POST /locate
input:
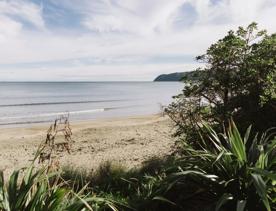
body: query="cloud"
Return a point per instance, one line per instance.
(137, 17)
(24, 11)
(98, 72)
(99, 39)
(8, 28)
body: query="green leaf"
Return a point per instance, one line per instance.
(223, 199)
(247, 134)
(236, 143)
(241, 205)
(160, 198)
(261, 189)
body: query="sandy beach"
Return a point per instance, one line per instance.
(128, 141)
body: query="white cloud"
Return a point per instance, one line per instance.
(138, 17)
(25, 10)
(81, 72)
(8, 28)
(122, 32)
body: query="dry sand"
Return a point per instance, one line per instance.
(127, 141)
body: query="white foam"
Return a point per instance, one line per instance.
(54, 114)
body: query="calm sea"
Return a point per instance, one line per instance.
(24, 103)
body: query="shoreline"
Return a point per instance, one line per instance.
(74, 121)
(128, 141)
(77, 122)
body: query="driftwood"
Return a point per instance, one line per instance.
(50, 149)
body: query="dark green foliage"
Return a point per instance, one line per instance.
(131, 188)
(239, 81)
(228, 171)
(37, 190)
(241, 170)
(107, 178)
(182, 76)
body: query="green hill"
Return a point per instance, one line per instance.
(179, 76)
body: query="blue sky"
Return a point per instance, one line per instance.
(71, 40)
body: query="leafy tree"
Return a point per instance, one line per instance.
(238, 81)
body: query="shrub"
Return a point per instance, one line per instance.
(35, 190)
(228, 172)
(238, 81)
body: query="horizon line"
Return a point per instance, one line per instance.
(72, 81)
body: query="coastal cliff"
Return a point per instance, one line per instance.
(178, 76)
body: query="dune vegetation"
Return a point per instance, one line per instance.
(224, 157)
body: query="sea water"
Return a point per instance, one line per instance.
(24, 103)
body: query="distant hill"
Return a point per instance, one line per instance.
(177, 76)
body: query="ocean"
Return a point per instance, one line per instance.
(23, 103)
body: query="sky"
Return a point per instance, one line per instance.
(116, 40)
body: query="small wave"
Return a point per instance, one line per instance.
(59, 103)
(55, 114)
(23, 123)
(42, 117)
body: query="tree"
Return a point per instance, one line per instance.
(238, 81)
